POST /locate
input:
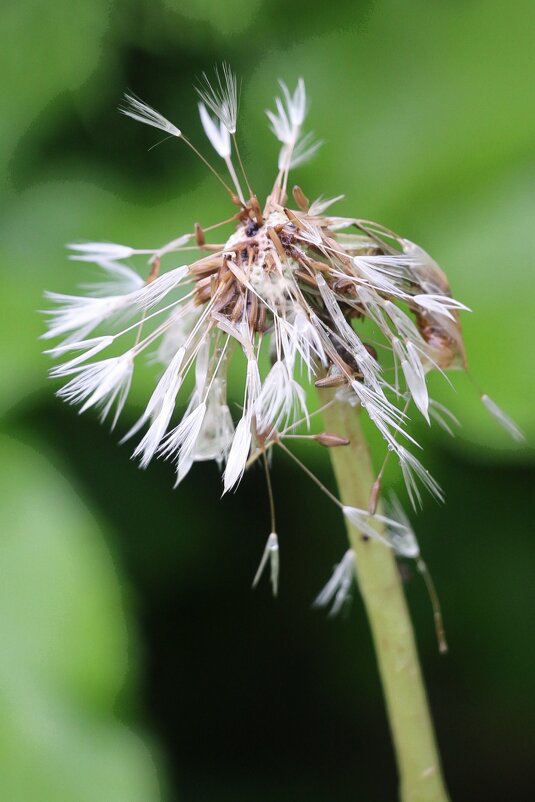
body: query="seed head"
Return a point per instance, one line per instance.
(336, 300)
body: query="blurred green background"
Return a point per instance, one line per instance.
(136, 664)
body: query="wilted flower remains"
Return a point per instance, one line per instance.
(340, 301)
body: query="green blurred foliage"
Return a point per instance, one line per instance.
(65, 647)
(428, 115)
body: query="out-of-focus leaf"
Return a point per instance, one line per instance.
(65, 647)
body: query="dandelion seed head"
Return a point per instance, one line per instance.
(303, 295)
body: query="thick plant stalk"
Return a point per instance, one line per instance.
(380, 585)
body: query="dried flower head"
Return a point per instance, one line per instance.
(339, 299)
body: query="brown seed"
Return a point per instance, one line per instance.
(238, 308)
(336, 380)
(294, 218)
(253, 311)
(274, 237)
(199, 236)
(204, 267)
(270, 263)
(300, 198)
(345, 285)
(225, 298)
(330, 440)
(256, 210)
(202, 295)
(154, 269)
(238, 272)
(322, 267)
(261, 322)
(374, 496)
(306, 277)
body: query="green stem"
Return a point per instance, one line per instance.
(380, 585)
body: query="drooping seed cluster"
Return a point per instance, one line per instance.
(338, 300)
